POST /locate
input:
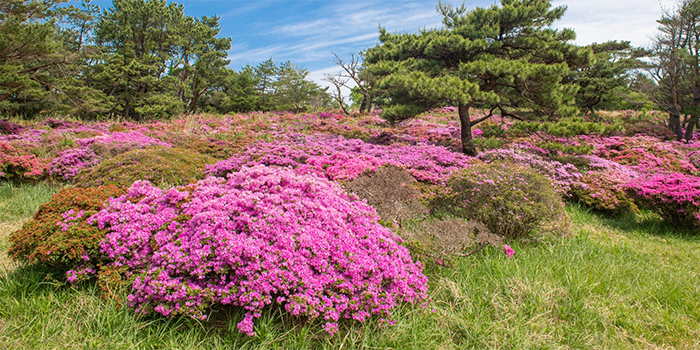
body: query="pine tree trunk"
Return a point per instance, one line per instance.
(468, 147)
(695, 116)
(674, 117)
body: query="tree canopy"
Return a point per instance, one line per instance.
(502, 58)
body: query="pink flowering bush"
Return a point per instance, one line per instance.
(120, 142)
(511, 200)
(675, 197)
(16, 164)
(605, 191)
(564, 177)
(264, 235)
(71, 161)
(338, 158)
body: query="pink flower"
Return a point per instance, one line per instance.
(509, 251)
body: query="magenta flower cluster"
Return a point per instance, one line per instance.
(71, 161)
(338, 158)
(675, 196)
(120, 142)
(264, 235)
(565, 177)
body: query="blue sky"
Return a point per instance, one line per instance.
(307, 32)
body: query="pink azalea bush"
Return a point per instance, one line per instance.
(564, 177)
(264, 235)
(675, 196)
(338, 158)
(71, 161)
(15, 163)
(121, 142)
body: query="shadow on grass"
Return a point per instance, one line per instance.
(644, 222)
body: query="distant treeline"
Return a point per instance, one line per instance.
(133, 60)
(147, 59)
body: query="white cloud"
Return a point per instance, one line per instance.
(603, 20)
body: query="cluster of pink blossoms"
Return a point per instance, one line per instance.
(338, 158)
(263, 235)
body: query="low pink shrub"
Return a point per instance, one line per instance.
(675, 196)
(264, 235)
(18, 165)
(605, 191)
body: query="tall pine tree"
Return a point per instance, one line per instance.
(504, 59)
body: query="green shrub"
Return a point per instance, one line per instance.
(488, 142)
(567, 149)
(491, 130)
(58, 235)
(160, 166)
(605, 192)
(511, 200)
(565, 128)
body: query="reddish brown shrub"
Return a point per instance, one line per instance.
(391, 191)
(58, 235)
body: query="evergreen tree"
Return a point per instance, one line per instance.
(504, 59)
(609, 75)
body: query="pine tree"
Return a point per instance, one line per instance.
(504, 59)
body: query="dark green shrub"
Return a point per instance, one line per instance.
(171, 166)
(491, 130)
(511, 200)
(488, 142)
(567, 149)
(59, 235)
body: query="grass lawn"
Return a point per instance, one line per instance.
(625, 283)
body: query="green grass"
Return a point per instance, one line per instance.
(613, 283)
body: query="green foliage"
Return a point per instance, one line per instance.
(565, 128)
(566, 149)
(160, 166)
(605, 192)
(607, 77)
(286, 88)
(505, 58)
(488, 142)
(511, 200)
(62, 241)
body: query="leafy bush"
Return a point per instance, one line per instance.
(391, 191)
(16, 164)
(488, 142)
(265, 235)
(605, 191)
(566, 128)
(72, 161)
(511, 200)
(564, 177)
(675, 197)
(59, 235)
(158, 165)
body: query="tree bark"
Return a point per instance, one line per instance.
(695, 115)
(468, 147)
(674, 116)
